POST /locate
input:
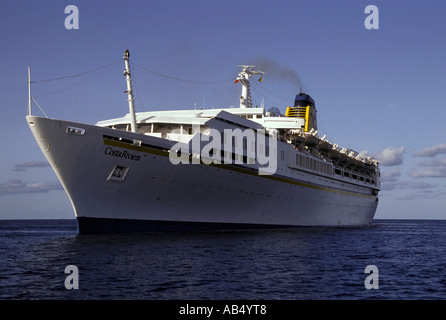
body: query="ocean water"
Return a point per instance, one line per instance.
(409, 259)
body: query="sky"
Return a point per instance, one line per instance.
(379, 91)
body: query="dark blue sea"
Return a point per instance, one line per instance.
(407, 259)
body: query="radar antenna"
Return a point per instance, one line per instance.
(275, 112)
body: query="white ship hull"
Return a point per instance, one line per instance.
(158, 195)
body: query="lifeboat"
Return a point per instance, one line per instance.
(324, 146)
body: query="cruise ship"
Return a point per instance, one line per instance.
(235, 167)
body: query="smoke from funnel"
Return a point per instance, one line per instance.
(275, 71)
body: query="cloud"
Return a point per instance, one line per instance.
(30, 164)
(425, 194)
(389, 179)
(390, 156)
(420, 186)
(437, 162)
(17, 186)
(432, 151)
(434, 172)
(430, 168)
(390, 175)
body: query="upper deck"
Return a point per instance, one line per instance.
(256, 115)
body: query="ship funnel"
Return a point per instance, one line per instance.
(304, 108)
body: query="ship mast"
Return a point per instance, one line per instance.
(243, 77)
(29, 91)
(129, 91)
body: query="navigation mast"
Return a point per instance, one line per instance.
(129, 91)
(29, 91)
(243, 77)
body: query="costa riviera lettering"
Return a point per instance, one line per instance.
(122, 154)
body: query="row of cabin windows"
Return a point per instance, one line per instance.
(262, 148)
(253, 116)
(353, 176)
(313, 164)
(233, 156)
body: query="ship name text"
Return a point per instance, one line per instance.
(122, 154)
